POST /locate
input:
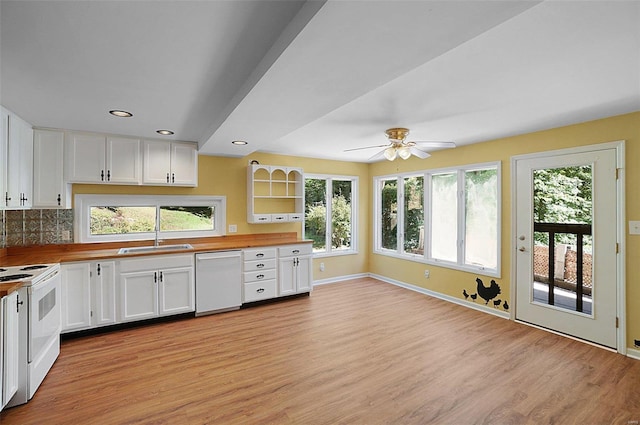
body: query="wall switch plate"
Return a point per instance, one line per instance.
(321, 267)
(634, 227)
(427, 274)
(233, 228)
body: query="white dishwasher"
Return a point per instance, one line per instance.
(218, 282)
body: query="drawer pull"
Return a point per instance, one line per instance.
(259, 255)
(260, 276)
(260, 290)
(260, 265)
(296, 251)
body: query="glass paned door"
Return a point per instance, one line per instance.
(566, 259)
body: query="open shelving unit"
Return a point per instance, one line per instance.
(274, 194)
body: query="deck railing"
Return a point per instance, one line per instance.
(580, 230)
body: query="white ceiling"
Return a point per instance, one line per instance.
(315, 78)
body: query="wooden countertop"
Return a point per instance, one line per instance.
(41, 254)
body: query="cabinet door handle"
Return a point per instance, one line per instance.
(59, 199)
(260, 290)
(7, 198)
(108, 175)
(167, 177)
(259, 266)
(98, 270)
(161, 277)
(18, 304)
(155, 277)
(260, 276)
(173, 177)
(102, 175)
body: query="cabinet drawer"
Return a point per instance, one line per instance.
(258, 265)
(261, 218)
(294, 250)
(296, 217)
(279, 217)
(257, 291)
(259, 254)
(259, 275)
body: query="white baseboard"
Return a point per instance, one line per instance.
(633, 353)
(464, 303)
(339, 279)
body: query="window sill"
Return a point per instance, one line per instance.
(419, 259)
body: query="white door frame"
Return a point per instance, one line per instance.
(620, 230)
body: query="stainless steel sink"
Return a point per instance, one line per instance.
(161, 248)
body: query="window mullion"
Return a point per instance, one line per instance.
(400, 216)
(461, 217)
(328, 196)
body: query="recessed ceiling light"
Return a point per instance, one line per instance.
(239, 142)
(165, 132)
(121, 114)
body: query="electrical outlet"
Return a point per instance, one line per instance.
(233, 228)
(634, 227)
(427, 274)
(66, 235)
(321, 267)
(636, 342)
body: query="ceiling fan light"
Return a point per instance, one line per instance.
(390, 153)
(404, 152)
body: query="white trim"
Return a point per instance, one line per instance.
(619, 146)
(438, 295)
(584, 341)
(84, 202)
(633, 353)
(339, 279)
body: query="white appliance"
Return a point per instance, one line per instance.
(39, 324)
(218, 282)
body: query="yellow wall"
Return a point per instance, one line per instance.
(227, 176)
(452, 282)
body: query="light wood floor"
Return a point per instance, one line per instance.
(358, 352)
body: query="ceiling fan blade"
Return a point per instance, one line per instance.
(366, 147)
(435, 144)
(419, 153)
(377, 156)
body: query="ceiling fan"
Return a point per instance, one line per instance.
(398, 147)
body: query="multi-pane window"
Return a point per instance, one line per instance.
(126, 217)
(330, 213)
(448, 217)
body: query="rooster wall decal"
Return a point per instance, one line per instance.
(487, 294)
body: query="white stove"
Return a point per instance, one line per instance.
(30, 274)
(39, 324)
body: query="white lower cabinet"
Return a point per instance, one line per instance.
(156, 286)
(103, 288)
(9, 345)
(276, 272)
(295, 269)
(75, 302)
(88, 295)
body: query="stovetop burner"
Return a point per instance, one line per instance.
(36, 267)
(9, 277)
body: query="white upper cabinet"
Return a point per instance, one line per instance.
(96, 158)
(169, 163)
(17, 160)
(49, 187)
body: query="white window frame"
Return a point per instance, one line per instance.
(427, 205)
(329, 178)
(84, 203)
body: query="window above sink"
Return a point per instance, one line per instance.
(111, 218)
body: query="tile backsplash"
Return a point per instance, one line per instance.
(36, 227)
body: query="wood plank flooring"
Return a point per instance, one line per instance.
(356, 352)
